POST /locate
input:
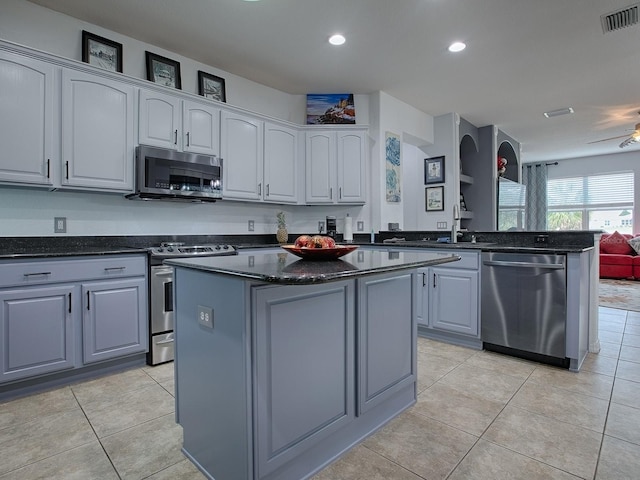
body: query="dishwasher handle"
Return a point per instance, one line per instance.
(548, 266)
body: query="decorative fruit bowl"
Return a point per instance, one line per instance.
(312, 253)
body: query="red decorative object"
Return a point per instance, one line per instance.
(502, 166)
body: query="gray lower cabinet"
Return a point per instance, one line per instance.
(37, 331)
(62, 314)
(114, 319)
(304, 373)
(448, 300)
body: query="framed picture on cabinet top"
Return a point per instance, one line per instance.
(101, 52)
(163, 71)
(434, 199)
(211, 86)
(433, 170)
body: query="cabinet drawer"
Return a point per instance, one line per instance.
(36, 271)
(470, 260)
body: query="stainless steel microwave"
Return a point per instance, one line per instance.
(163, 174)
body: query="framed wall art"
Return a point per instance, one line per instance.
(211, 86)
(329, 108)
(163, 70)
(101, 52)
(434, 199)
(433, 170)
(393, 168)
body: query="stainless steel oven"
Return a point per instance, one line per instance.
(161, 341)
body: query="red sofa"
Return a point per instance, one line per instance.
(618, 259)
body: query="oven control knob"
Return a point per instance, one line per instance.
(169, 249)
(160, 249)
(225, 247)
(217, 247)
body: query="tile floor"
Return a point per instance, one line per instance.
(479, 415)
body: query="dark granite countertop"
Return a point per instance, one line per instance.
(286, 268)
(489, 247)
(43, 251)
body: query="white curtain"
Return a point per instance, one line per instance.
(535, 179)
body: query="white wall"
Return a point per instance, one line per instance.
(619, 162)
(30, 212)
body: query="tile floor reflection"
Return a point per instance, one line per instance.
(479, 415)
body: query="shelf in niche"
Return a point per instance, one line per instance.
(466, 179)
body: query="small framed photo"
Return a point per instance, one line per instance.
(101, 52)
(434, 170)
(212, 87)
(163, 70)
(434, 199)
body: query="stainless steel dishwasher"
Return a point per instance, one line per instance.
(524, 305)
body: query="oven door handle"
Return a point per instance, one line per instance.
(163, 273)
(164, 342)
(548, 266)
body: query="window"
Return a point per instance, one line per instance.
(596, 202)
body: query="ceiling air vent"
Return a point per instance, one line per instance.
(623, 18)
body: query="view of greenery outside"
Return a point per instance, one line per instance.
(606, 220)
(510, 219)
(564, 220)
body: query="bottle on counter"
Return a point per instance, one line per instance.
(373, 236)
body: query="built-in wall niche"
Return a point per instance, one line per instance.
(506, 150)
(468, 168)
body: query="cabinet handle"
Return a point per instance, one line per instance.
(88, 300)
(187, 139)
(424, 280)
(434, 280)
(267, 189)
(48, 168)
(110, 269)
(175, 137)
(331, 193)
(69, 302)
(259, 189)
(66, 164)
(37, 274)
(340, 193)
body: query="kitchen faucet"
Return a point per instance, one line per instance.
(454, 225)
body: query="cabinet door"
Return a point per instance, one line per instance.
(387, 338)
(304, 367)
(159, 120)
(97, 132)
(115, 319)
(37, 331)
(280, 164)
(242, 148)
(453, 300)
(27, 118)
(320, 172)
(351, 167)
(201, 128)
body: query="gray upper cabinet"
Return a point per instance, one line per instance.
(97, 132)
(27, 92)
(282, 164)
(167, 121)
(336, 166)
(242, 151)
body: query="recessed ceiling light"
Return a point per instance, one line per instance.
(337, 39)
(457, 47)
(558, 112)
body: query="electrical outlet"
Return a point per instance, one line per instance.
(320, 227)
(60, 225)
(360, 226)
(442, 225)
(541, 239)
(205, 316)
(251, 225)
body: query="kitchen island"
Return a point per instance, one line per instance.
(284, 364)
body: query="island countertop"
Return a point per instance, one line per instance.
(286, 268)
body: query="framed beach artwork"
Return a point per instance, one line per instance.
(329, 108)
(163, 71)
(393, 167)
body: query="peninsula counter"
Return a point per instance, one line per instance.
(284, 364)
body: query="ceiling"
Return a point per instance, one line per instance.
(523, 57)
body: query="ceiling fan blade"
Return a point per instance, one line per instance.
(629, 141)
(607, 139)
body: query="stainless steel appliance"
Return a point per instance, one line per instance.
(171, 175)
(332, 228)
(524, 305)
(161, 334)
